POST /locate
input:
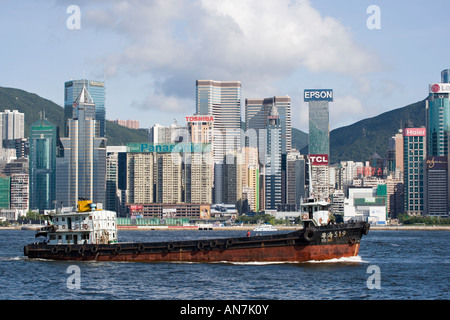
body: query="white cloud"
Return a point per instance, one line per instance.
(257, 42)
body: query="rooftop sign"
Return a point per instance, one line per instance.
(318, 95)
(168, 147)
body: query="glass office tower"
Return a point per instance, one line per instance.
(438, 119)
(42, 165)
(222, 101)
(96, 90)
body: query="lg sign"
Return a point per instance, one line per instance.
(319, 159)
(440, 88)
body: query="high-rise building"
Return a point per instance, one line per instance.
(140, 177)
(256, 113)
(168, 172)
(250, 178)
(5, 192)
(12, 125)
(295, 178)
(436, 186)
(167, 134)
(81, 170)
(414, 152)
(438, 119)
(20, 191)
(198, 174)
(319, 120)
(42, 165)
(112, 177)
(222, 101)
(319, 141)
(97, 91)
(272, 168)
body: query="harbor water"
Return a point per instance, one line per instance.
(391, 265)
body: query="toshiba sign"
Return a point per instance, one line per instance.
(414, 132)
(318, 159)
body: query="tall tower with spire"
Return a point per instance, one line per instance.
(81, 169)
(272, 171)
(96, 90)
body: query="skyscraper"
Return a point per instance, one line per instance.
(319, 141)
(319, 120)
(414, 147)
(272, 172)
(222, 101)
(438, 119)
(256, 113)
(96, 90)
(42, 164)
(81, 171)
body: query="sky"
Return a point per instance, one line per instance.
(150, 53)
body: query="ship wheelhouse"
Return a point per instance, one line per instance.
(88, 225)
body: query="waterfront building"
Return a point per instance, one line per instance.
(198, 177)
(42, 164)
(414, 151)
(140, 177)
(81, 168)
(20, 191)
(250, 178)
(97, 111)
(5, 192)
(168, 176)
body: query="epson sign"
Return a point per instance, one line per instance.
(318, 95)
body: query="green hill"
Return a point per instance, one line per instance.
(31, 105)
(355, 142)
(362, 139)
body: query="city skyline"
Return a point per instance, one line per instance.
(150, 54)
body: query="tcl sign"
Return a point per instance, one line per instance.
(414, 132)
(318, 159)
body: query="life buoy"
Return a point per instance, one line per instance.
(305, 216)
(170, 246)
(141, 247)
(308, 234)
(67, 249)
(85, 226)
(54, 249)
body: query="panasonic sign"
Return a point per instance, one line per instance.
(318, 95)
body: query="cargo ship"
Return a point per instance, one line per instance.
(90, 233)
